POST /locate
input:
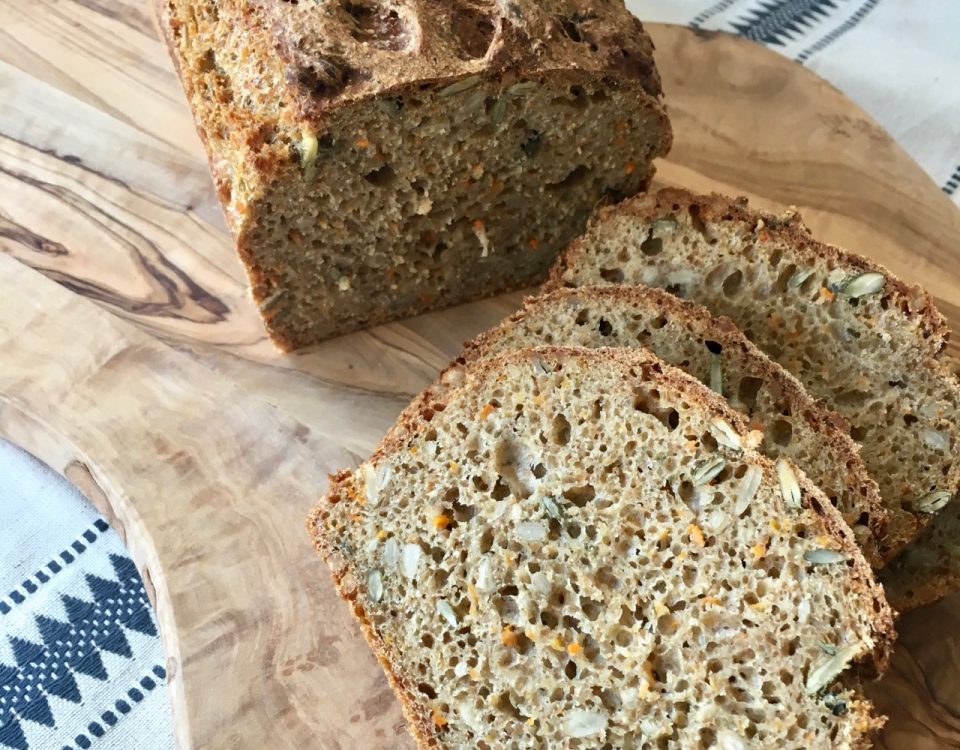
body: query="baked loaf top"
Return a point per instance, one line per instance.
(714, 351)
(335, 51)
(855, 335)
(537, 564)
(262, 76)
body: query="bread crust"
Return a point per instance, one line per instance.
(632, 362)
(787, 227)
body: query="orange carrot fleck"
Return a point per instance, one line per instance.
(361, 142)
(630, 167)
(441, 521)
(438, 718)
(485, 411)
(827, 294)
(574, 648)
(509, 637)
(534, 243)
(696, 535)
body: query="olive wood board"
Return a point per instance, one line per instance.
(132, 361)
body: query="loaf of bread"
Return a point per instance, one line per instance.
(715, 352)
(853, 334)
(581, 550)
(377, 158)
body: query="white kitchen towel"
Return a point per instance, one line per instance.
(899, 60)
(80, 663)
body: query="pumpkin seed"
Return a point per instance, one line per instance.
(824, 556)
(464, 84)
(375, 585)
(522, 88)
(863, 284)
(499, 110)
(828, 648)
(708, 470)
(932, 502)
(789, 486)
(716, 375)
(308, 147)
(830, 669)
(552, 509)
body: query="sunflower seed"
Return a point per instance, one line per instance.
(707, 470)
(933, 501)
(375, 585)
(828, 670)
(936, 440)
(789, 487)
(552, 509)
(716, 375)
(748, 489)
(725, 434)
(446, 612)
(308, 153)
(391, 552)
(411, 560)
(863, 284)
(727, 740)
(541, 366)
(798, 278)
(371, 485)
(272, 300)
(662, 225)
(464, 84)
(824, 556)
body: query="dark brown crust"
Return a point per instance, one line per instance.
(829, 425)
(630, 361)
(788, 228)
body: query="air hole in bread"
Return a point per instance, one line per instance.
(381, 27)
(731, 284)
(382, 177)
(576, 177)
(781, 432)
(473, 27)
(560, 430)
(651, 246)
(612, 275)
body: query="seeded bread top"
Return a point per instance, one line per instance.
(340, 50)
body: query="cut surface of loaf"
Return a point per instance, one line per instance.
(852, 333)
(715, 352)
(376, 159)
(580, 550)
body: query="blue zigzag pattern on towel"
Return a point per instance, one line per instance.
(777, 21)
(72, 647)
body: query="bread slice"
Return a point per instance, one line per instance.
(545, 561)
(714, 351)
(853, 334)
(378, 159)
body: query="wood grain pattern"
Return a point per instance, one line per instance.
(134, 363)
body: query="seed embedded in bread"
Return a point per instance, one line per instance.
(638, 615)
(857, 337)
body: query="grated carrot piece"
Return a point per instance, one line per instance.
(441, 521)
(827, 294)
(574, 648)
(696, 535)
(361, 142)
(509, 637)
(630, 167)
(533, 242)
(485, 411)
(438, 718)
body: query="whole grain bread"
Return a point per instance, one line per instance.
(550, 560)
(857, 337)
(378, 158)
(714, 351)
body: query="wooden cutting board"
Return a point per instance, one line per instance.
(132, 361)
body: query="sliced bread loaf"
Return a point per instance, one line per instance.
(552, 559)
(852, 333)
(377, 159)
(714, 351)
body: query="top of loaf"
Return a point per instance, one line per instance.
(335, 51)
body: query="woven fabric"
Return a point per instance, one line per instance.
(81, 665)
